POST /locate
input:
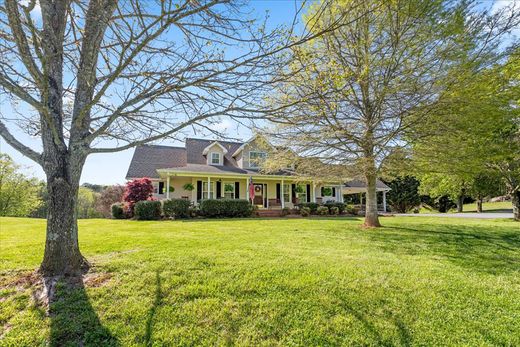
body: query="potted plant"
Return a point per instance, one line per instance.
(188, 187)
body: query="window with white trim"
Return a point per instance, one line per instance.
(205, 190)
(229, 190)
(256, 158)
(216, 158)
(286, 193)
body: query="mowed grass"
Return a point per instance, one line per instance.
(489, 207)
(272, 282)
(499, 206)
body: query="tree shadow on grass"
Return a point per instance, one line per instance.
(479, 248)
(148, 340)
(74, 322)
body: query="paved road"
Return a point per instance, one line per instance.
(459, 215)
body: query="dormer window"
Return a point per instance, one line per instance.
(216, 158)
(256, 158)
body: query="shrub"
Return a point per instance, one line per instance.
(178, 208)
(147, 210)
(225, 208)
(323, 210)
(109, 196)
(404, 195)
(138, 190)
(305, 211)
(341, 206)
(118, 211)
(334, 210)
(311, 205)
(285, 211)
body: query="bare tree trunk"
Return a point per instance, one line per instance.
(515, 199)
(460, 203)
(62, 256)
(479, 204)
(371, 216)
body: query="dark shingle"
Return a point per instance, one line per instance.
(361, 184)
(148, 158)
(195, 147)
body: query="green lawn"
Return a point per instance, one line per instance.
(504, 206)
(501, 206)
(287, 282)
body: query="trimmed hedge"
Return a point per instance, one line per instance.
(215, 208)
(313, 206)
(341, 206)
(305, 211)
(118, 211)
(178, 208)
(322, 210)
(334, 210)
(147, 210)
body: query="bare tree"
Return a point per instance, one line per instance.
(104, 75)
(358, 85)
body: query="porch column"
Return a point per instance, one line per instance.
(167, 186)
(281, 194)
(209, 189)
(384, 200)
(313, 192)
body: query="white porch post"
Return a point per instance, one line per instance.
(313, 192)
(340, 198)
(209, 189)
(167, 186)
(266, 196)
(282, 194)
(384, 200)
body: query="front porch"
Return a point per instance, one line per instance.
(270, 192)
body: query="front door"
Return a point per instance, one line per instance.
(259, 199)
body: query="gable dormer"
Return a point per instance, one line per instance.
(215, 153)
(253, 152)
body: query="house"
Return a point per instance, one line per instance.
(209, 169)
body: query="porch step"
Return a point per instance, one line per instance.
(269, 213)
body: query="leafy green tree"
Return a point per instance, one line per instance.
(352, 91)
(86, 205)
(475, 133)
(438, 186)
(404, 194)
(484, 185)
(18, 193)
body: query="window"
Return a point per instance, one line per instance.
(205, 190)
(229, 190)
(216, 158)
(301, 192)
(256, 158)
(287, 193)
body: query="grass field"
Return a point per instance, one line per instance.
(488, 207)
(287, 282)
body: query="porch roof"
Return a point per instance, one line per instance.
(201, 169)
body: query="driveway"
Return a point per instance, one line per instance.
(488, 215)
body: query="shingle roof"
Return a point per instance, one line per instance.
(361, 184)
(195, 147)
(148, 158)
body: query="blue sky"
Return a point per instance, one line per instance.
(111, 168)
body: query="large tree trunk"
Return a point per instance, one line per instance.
(516, 204)
(371, 215)
(62, 256)
(479, 205)
(460, 203)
